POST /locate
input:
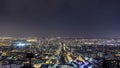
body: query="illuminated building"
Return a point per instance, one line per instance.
(20, 43)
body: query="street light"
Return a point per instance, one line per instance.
(29, 56)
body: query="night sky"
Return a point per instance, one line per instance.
(64, 18)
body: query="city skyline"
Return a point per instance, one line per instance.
(64, 18)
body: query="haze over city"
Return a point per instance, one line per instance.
(66, 18)
(59, 34)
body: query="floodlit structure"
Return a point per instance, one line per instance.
(20, 43)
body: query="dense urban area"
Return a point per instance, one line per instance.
(59, 52)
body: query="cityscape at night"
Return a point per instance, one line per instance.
(59, 34)
(59, 52)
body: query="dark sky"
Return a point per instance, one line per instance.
(65, 18)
